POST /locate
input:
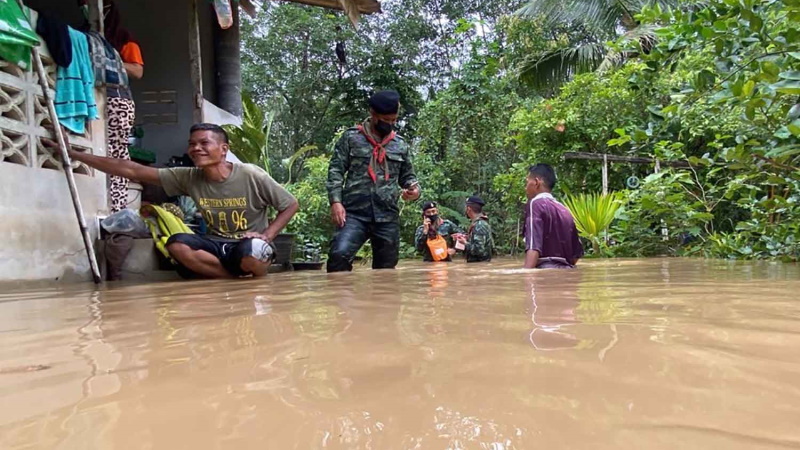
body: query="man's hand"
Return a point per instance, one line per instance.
(338, 214)
(412, 193)
(49, 143)
(451, 251)
(426, 225)
(460, 237)
(254, 235)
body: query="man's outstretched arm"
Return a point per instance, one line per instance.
(119, 167)
(113, 166)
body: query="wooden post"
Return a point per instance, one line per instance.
(195, 63)
(605, 174)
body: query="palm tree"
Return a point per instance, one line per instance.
(601, 19)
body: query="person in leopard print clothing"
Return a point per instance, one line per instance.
(120, 109)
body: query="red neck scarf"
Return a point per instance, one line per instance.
(378, 153)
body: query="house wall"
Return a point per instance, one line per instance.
(163, 97)
(41, 238)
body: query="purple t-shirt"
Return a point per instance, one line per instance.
(550, 229)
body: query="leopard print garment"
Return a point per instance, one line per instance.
(121, 114)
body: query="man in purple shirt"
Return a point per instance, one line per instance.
(551, 239)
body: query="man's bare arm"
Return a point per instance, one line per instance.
(531, 259)
(112, 166)
(119, 167)
(280, 222)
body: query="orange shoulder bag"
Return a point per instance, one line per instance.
(438, 248)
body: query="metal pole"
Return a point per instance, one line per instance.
(605, 174)
(73, 190)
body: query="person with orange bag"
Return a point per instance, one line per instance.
(435, 237)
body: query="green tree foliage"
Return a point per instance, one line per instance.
(601, 20)
(582, 118)
(714, 86)
(312, 222)
(745, 176)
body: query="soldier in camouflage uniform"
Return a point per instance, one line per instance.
(478, 243)
(431, 226)
(369, 167)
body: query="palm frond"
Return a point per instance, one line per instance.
(612, 59)
(558, 66)
(250, 140)
(597, 14)
(643, 37)
(593, 214)
(289, 162)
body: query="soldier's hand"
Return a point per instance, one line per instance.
(426, 225)
(338, 214)
(411, 193)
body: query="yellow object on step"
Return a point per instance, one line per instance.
(162, 224)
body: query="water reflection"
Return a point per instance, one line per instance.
(553, 311)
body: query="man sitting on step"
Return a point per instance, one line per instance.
(233, 198)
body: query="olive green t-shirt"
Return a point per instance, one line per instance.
(231, 207)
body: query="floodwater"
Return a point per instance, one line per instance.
(619, 354)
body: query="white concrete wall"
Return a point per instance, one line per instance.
(41, 237)
(39, 229)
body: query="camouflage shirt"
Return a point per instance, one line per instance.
(446, 230)
(350, 184)
(479, 240)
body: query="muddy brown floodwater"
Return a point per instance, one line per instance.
(619, 354)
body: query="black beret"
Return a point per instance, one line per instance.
(476, 200)
(428, 205)
(385, 102)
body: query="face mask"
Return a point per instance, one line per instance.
(383, 128)
(434, 219)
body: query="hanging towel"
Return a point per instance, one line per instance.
(108, 68)
(56, 35)
(74, 101)
(17, 37)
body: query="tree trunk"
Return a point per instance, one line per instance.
(228, 66)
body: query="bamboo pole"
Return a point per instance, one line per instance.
(67, 163)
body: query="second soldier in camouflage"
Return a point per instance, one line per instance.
(478, 243)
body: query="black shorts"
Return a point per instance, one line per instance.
(229, 252)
